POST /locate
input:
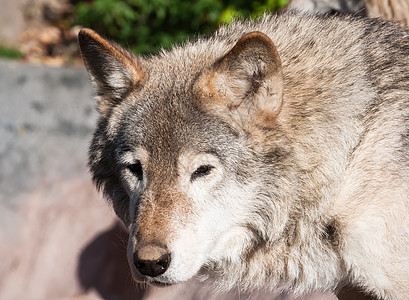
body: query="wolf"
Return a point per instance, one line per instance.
(273, 154)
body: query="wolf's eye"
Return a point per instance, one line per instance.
(201, 171)
(136, 170)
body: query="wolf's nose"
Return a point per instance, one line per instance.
(151, 260)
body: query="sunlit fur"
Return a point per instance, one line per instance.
(304, 121)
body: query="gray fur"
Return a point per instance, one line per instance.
(328, 174)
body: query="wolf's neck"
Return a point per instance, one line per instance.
(305, 261)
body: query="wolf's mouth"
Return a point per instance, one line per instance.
(157, 282)
(160, 284)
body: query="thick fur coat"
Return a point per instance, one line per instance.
(273, 154)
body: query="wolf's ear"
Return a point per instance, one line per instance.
(247, 80)
(113, 70)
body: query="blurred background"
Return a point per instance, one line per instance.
(58, 238)
(45, 30)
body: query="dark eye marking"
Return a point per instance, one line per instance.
(201, 171)
(136, 169)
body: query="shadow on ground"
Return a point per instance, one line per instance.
(107, 271)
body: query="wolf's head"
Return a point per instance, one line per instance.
(189, 150)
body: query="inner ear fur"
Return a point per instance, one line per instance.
(247, 80)
(113, 70)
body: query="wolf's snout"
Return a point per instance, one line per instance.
(151, 260)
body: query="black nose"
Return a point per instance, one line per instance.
(151, 260)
